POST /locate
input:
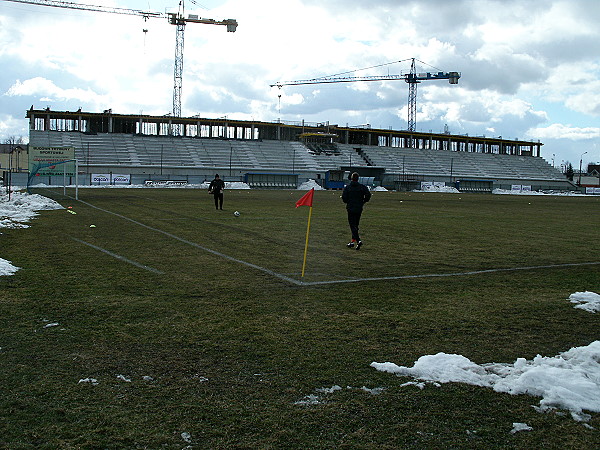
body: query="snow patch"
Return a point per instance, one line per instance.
(330, 390)
(570, 380)
(520, 427)
(313, 399)
(588, 301)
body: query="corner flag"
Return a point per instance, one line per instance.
(306, 200)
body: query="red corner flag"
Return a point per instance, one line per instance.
(307, 199)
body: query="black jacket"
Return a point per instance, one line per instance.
(355, 195)
(216, 186)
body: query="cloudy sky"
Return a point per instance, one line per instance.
(530, 68)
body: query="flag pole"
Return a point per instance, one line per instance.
(306, 244)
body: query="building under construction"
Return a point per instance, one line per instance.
(194, 148)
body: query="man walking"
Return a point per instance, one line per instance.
(216, 188)
(355, 195)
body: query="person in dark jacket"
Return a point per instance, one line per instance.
(355, 195)
(216, 188)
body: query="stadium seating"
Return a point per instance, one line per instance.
(141, 151)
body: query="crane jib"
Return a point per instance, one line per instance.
(177, 19)
(413, 78)
(97, 8)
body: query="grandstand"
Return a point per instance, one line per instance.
(145, 148)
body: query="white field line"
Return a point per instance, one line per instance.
(193, 244)
(119, 257)
(352, 280)
(451, 274)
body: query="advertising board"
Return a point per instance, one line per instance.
(51, 161)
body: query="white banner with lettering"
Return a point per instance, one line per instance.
(110, 178)
(521, 188)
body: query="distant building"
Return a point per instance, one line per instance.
(589, 180)
(14, 157)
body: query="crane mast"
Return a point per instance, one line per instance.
(178, 19)
(412, 78)
(412, 97)
(179, 22)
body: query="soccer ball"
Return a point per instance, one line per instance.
(236, 214)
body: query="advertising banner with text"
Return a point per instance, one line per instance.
(50, 160)
(110, 178)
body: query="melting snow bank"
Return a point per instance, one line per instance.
(22, 208)
(6, 268)
(569, 381)
(14, 213)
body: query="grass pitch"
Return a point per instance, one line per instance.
(200, 331)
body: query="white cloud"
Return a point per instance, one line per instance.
(12, 126)
(560, 131)
(586, 102)
(41, 86)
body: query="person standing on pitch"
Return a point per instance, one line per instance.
(355, 195)
(216, 188)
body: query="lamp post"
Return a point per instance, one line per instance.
(580, 161)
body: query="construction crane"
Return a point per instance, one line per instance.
(178, 19)
(412, 78)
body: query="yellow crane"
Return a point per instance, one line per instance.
(178, 19)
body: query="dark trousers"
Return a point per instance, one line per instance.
(353, 221)
(218, 200)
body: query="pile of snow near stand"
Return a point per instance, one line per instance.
(438, 188)
(310, 184)
(549, 192)
(228, 185)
